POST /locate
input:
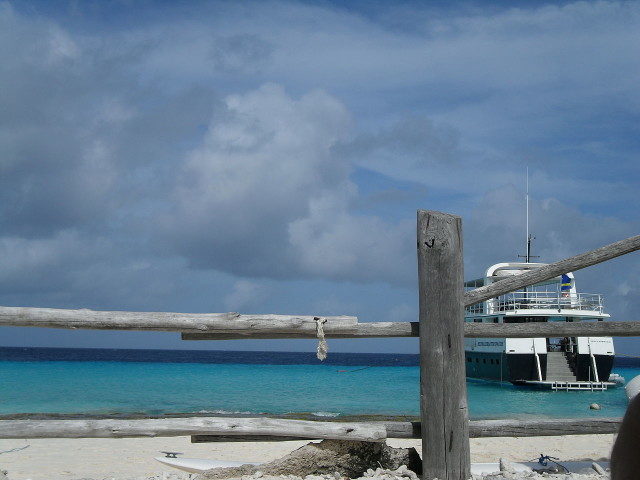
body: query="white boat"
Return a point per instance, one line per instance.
(568, 363)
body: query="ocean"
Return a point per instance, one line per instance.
(95, 382)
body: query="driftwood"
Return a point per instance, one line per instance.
(170, 322)
(222, 326)
(349, 459)
(256, 429)
(471, 330)
(552, 329)
(175, 427)
(543, 427)
(477, 429)
(359, 330)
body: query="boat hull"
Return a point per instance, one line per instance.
(504, 367)
(516, 367)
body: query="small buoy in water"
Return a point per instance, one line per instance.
(594, 406)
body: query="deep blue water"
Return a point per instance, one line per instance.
(101, 381)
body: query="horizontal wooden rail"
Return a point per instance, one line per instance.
(245, 429)
(471, 330)
(360, 330)
(171, 322)
(177, 427)
(477, 429)
(542, 428)
(552, 329)
(510, 284)
(233, 326)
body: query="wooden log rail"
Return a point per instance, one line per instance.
(477, 429)
(211, 429)
(233, 326)
(177, 427)
(231, 323)
(471, 330)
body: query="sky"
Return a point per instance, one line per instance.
(269, 157)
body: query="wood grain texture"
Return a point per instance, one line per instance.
(443, 393)
(471, 330)
(543, 427)
(230, 326)
(517, 428)
(552, 329)
(510, 284)
(176, 427)
(501, 428)
(208, 429)
(170, 322)
(360, 330)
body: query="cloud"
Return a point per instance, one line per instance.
(265, 194)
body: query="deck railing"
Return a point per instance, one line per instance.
(444, 428)
(549, 301)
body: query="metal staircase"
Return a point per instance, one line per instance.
(558, 368)
(561, 377)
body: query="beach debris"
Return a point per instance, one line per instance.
(348, 458)
(595, 406)
(3, 475)
(598, 468)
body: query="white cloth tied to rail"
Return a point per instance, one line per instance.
(323, 348)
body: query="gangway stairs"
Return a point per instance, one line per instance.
(558, 368)
(560, 376)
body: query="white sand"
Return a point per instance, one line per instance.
(50, 459)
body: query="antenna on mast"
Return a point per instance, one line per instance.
(529, 237)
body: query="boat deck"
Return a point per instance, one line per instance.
(562, 385)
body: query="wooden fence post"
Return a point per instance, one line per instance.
(443, 393)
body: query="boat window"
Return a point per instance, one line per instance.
(477, 320)
(523, 319)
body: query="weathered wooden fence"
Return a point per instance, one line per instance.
(444, 428)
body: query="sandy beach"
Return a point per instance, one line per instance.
(47, 459)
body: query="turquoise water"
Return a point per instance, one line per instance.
(98, 387)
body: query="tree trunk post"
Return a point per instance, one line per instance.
(443, 393)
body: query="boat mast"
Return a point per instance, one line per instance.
(529, 237)
(528, 257)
